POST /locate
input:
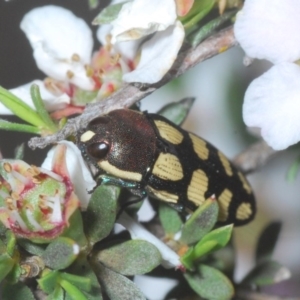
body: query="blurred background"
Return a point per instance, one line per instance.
(218, 85)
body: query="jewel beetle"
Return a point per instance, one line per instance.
(148, 153)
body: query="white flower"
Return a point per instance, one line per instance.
(272, 103)
(62, 44)
(269, 29)
(137, 20)
(80, 175)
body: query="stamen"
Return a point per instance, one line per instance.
(20, 177)
(75, 57)
(56, 213)
(16, 218)
(7, 167)
(32, 221)
(51, 174)
(70, 74)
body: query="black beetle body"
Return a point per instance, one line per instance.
(168, 162)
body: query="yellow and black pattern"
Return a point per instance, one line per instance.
(206, 173)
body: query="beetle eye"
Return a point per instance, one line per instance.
(98, 150)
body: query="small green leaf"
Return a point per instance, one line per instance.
(199, 10)
(200, 223)
(6, 125)
(31, 247)
(60, 253)
(100, 216)
(84, 284)
(108, 14)
(169, 218)
(73, 292)
(267, 242)
(40, 107)
(20, 108)
(81, 267)
(205, 31)
(6, 265)
(11, 242)
(117, 286)
(266, 273)
(214, 240)
(57, 294)
(177, 112)
(131, 258)
(19, 152)
(210, 283)
(93, 3)
(17, 291)
(49, 281)
(75, 229)
(293, 170)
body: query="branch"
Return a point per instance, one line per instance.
(254, 157)
(132, 93)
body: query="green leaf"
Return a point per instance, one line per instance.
(267, 242)
(210, 283)
(10, 126)
(75, 229)
(169, 218)
(93, 3)
(20, 108)
(73, 292)
(200, 223)
(40, 107)
(82, 268)
(131, 258)
(6, 265)
(108, 14)
(17, 291)
(117, 286)
(177, 112)
(31, 247)
(205, 31)
(60, 253)
(212, 241)
(19, 152)
(57, 294)
(100, 216)
(293, 170)
(49, 281)
(81, 282)
(199, 10)
(266, 273)
(11, 242)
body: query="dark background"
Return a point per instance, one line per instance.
(17, 65)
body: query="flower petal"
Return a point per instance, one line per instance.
(269, 29)
(272, 103)
(79, 173)
(158, 55)
(142, 17)
(51, 102)
(62, 43)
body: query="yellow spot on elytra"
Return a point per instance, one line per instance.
(87, 136)
(106, 166)
(224, 200)
(163, 195)
(168, 167)
(199, 147)
(244, 211)
(197, 187)
(226, 163)
(168, 132)
(245, 183)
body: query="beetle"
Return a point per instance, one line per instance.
(147, 153)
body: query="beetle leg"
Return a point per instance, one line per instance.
(106, 179)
